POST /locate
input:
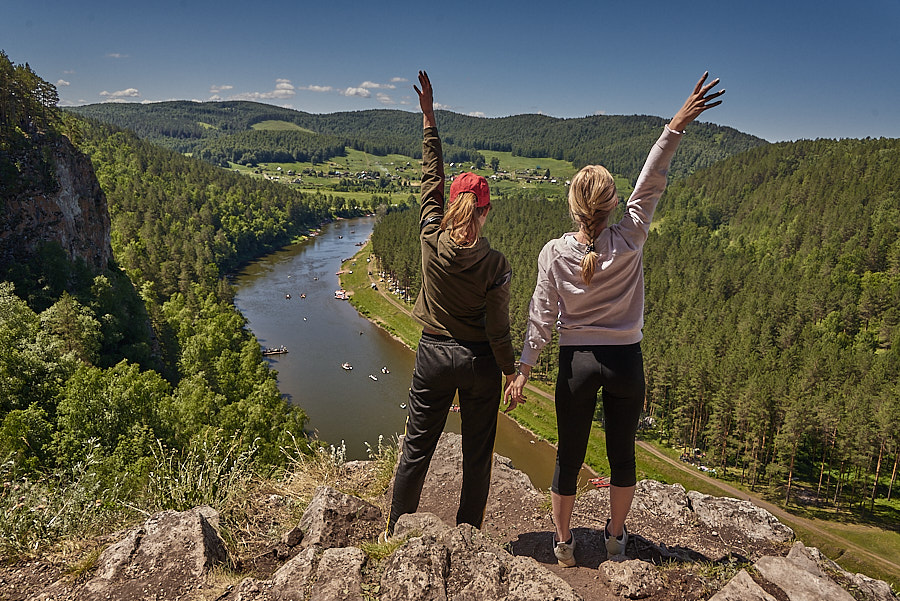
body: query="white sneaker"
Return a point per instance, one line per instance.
(565, 552)
(615, 545)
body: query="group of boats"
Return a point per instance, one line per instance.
(348, 367)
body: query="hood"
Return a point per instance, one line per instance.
(454, 258)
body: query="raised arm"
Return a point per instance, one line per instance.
(699, 101)
(426, 100)
(431, 208)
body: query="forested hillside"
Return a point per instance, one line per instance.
(137, 387)
(773, 289)
(178, 221)
(772, 311)
(617, 141)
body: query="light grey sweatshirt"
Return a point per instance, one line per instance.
(609, 310)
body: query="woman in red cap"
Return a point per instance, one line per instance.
(464, 311)
(590, 286)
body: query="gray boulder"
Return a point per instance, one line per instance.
(633, 578)
(334, 519)
(167, 555)
(742, 588)
(339, 575)
(755, 522)
(461, 563)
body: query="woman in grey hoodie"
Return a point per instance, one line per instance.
(591, 285)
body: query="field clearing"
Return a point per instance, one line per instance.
(562, 170)
(272, 125)
(409, 170)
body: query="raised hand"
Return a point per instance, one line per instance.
(426, 100)
(699, 101)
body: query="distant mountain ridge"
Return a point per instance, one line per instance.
(617, 141)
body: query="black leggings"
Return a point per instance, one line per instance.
(583, 371)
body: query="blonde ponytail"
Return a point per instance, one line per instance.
(461, 219)
(592, 198)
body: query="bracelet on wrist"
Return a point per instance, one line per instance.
(519, 372)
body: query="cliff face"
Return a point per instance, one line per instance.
(70, 210)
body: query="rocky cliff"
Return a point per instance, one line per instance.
(684, 546)
(66, 207)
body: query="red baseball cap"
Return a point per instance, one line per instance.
(474, 183)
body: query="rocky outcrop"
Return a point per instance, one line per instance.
(334, 519)
(166, 557)
(462, 563)
(73, 213)
(332, 554)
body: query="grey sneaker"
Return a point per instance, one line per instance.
(615, 545)
(565, 552)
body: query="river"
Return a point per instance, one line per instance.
(359, 405)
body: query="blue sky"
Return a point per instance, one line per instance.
(792, 69)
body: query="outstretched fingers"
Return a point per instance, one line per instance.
(702, 98)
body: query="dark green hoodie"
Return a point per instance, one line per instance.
(465, 290)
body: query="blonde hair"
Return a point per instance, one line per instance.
(592, 198)
(461, 219)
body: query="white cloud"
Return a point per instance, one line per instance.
(599, 112)
(69, 72)
(284, 85)
(317, 88)
(116, 55)
(371, 85)
(283, 89)
(62, 82)
(217, 89)
(361, 92)
(443, 107)
(399, 80)
(120, 95)
(214, 98)
(477, 114)
(384, 98)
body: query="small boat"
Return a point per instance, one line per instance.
(340, 237)
(385, 370)
(340, 294)
(303, 295)
(346, 366)
(454, 408)
(280, 350)
(287, 296)
(403, 405)
(601, 482)
(373, 377)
